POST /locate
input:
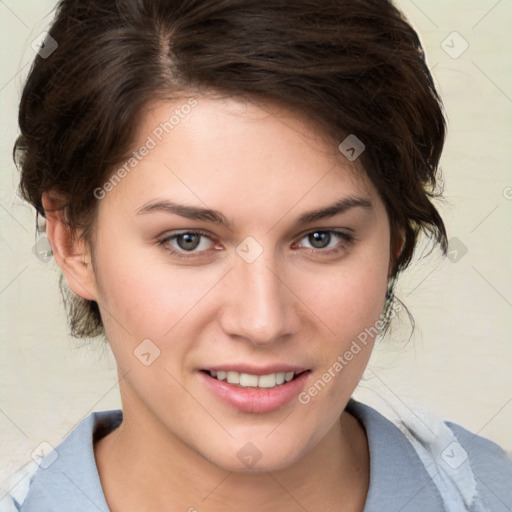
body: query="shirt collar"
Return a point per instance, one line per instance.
(72, 481)
(398, 480)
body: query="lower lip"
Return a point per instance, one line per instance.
(255, 400)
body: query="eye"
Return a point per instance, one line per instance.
(327, 240)
(190, 244)
(184, 242)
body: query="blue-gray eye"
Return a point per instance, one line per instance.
(324, 239)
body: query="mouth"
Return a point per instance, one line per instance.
(255, 390)
(248, 380)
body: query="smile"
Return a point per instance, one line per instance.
(247, 380)
(255, 390)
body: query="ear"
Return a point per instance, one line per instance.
(397, 244)
(71, 253)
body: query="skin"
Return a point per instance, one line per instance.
(262, 167)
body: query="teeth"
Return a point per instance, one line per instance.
(267, 381)
(247, 380)
(233, 377)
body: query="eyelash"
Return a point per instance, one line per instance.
(347, 238)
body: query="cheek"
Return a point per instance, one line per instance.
(350, 315)
(349, 298)
(153, 304)
(348, 302)
(143, 297)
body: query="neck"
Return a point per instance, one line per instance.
(143, 467)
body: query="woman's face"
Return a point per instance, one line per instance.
(209, 258)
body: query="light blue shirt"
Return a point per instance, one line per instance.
(400, 479)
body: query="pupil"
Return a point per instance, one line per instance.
(319, 239)
(188, 241)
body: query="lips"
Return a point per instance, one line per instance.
(255, 389)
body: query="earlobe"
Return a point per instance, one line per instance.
(70, 252)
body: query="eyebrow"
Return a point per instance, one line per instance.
(209, 215)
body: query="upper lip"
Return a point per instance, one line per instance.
(257, 370)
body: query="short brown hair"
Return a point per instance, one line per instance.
(350, 66)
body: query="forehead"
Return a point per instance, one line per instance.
(237, 153)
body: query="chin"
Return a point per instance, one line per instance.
(253, 457)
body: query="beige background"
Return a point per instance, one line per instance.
(458, 362)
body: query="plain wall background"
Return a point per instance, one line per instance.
(458, 362)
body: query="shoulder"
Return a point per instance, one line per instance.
(14, 490)
(66, 478)
(459, 469)
(490, 463)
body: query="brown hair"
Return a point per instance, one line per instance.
(350, 66)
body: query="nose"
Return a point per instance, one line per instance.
(259, 305)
